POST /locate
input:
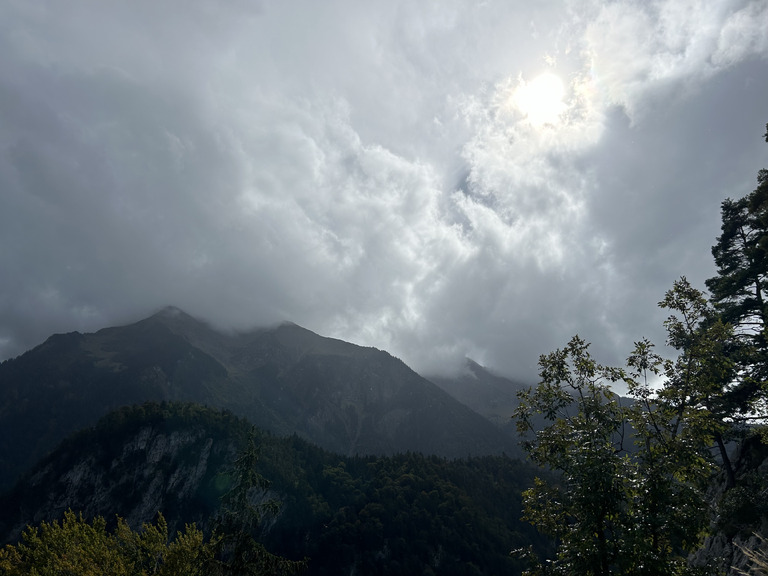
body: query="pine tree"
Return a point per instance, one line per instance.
(238, 524)
(739, 292)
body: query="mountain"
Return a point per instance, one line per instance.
(286, 379)
(404, 514)
(488, 394)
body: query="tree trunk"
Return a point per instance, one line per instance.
(730, 477)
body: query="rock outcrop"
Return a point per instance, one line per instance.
(743, 512)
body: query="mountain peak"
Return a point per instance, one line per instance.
(177, 320)
(170, 312)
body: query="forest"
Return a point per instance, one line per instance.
(405, 514)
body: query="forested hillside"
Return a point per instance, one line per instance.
(395, 515)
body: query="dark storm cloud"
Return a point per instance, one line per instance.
(370, 170)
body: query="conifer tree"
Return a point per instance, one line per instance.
(739, 292)
(237, 526)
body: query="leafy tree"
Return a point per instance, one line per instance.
(697, 391)
(151, 553)
(72, 548)
(616, 510)
(668, 510)
(586, 511)
(76, 547)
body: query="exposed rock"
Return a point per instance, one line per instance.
(154, 467)
(744, 512)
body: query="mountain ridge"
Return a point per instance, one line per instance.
(286, 379)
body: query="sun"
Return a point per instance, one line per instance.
(541, 99)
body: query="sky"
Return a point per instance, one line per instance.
(437, 178)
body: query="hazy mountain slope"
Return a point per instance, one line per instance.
(346, 398)
(286, 379)
(396, 515)
(357, 400)
(492, 396)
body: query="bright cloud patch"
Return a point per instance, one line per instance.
(541, 99)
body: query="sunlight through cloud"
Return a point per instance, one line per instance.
(541, 99)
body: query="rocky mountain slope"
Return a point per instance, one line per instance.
(286, 379)
(743, 512)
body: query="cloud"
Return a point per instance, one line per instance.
(363, 170)
(634, 50)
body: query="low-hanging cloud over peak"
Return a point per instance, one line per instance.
(385, 173)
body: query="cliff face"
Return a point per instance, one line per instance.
(743, 512)
(136, 473)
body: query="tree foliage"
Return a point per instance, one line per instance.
(628, 500)
(739, 292)
(617, 510)
(77, 547)
(586, 510)
(239, 521)
(631, 499)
